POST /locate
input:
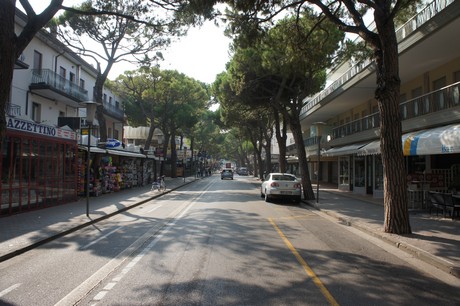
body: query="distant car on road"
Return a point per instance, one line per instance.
(226, 174)
(243, 171)
(282, 186)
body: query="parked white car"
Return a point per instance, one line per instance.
(281, 185)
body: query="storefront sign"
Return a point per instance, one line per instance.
(41, 129)
(113, 143)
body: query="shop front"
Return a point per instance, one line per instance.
(111, 170)
(38, 168)
(432, 160)
(351, 169)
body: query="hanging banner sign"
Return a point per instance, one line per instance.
(41, 129)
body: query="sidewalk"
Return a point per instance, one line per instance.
(22, 232)
(435, 240)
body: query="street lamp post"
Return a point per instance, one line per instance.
(317, 174)
(90, 113)
(184, 162)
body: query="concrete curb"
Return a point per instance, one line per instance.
(85, 224)
(418, 253)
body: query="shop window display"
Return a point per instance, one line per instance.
(36, 172)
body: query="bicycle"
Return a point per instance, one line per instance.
(159, 184)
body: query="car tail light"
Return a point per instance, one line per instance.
(297, 186)
(274, 184)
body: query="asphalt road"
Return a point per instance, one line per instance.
(216, 242)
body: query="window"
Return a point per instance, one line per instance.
(36, 112)
(419, 106)
(110, 101)
(105, 97)
(62, 74)
(360, 172)
(82, 83)
(344, 170)
(37, 60)
(439, 100)
(356, 123)
(72, 77)
(456, 89)
(403, 106)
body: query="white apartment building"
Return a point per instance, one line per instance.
(43, 157)
(430, 108)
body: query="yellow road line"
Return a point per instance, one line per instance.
(305, 266)
(303, 216)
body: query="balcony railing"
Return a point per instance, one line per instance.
(442, 99)
(113, 111)
(438, 100)
(53, 80)
(13, 110)
(408, 28)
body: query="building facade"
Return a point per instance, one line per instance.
(342, 121)
(46, 146)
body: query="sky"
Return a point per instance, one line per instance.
(202, 54)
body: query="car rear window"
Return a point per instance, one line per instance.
(283, 178)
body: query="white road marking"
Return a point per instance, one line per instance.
(8, 290)
(136, 259)
(100, 238)
(94, 280)
(110, 233)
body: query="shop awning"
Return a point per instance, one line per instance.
(93, 149)
(125, 153)
(152, 156)
(440, 140)
(345, 150)
(372, 148)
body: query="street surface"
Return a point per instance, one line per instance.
(216, 242)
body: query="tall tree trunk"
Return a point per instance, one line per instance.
(296, 130)
(98, 94)
(7, 59)
(173, 154)
(148, 141)
(387, 95)
(280, 132)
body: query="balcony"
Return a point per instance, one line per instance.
(13, 110)
(113, 111)
(418, 39)
(48, 84)
(437, 104)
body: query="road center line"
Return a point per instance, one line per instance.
(305, 266)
